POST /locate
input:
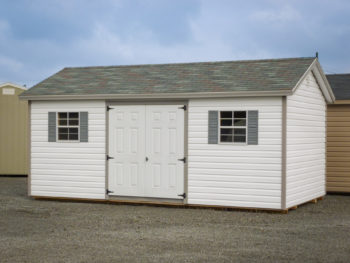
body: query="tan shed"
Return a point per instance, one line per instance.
(13, 131)
(338, 135)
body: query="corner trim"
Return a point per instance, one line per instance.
(284, 155)
(29, 150)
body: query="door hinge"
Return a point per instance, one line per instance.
(183, 195)
(109, 108)
(182, 160)
(184, 107)
(109, 157)
(108, 191)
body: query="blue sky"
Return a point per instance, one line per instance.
(38, 38)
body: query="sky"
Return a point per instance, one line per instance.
(40, 37)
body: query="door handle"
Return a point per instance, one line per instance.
(146, 159)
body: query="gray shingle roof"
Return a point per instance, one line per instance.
(340, 84)
(228, 76)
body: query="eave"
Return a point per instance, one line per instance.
(342, 102)
(194, 95)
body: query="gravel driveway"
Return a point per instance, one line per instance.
(50, 231)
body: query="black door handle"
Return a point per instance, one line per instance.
(146, 159)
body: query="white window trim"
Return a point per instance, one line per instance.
(58, 126)
(232, 127)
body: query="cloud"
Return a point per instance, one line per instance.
(11, 64)
(37, 38)
(286, 14)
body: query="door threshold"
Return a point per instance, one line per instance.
(153, 200)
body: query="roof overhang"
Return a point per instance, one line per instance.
(314, 67)
(321, 79)
(342, 102)
(194, 95)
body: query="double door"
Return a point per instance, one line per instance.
(146, 143)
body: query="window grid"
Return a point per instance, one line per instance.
(233, 127)
(68, 126)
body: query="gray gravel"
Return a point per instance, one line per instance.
(50, 231)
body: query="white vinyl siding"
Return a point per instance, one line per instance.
(68, 169)
(306, 138)
(232, 174)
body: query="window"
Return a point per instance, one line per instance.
(233, 126)
(68, 126)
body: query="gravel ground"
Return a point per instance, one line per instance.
(50, 231)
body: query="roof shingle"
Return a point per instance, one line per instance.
(227, 76)
(340, 84)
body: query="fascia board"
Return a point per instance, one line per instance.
(194, 95)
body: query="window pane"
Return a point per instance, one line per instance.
(226, 138)
(239, 131)
(73, 136)
(62, 122)
(62, 115)
(240, 114)
(62, 130)
(226, 114)
(73, 130)
(63, 136)
(239, 122)
(239, 138)
(73, 115)
(74, 122)
(226, 122)
(226, 131)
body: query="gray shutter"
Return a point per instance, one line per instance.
(213, 127)
(84, 131)
(52, 127)
(253, 120)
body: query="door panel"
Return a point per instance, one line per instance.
(146, 142)
(164, 146)
(127, 147)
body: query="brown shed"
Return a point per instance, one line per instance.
(13, 130)
(338, 135)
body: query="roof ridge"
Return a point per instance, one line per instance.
(191, 63)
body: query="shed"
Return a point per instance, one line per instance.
(338, 135)
(13, 130)
(248, 134)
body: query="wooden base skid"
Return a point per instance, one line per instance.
(314, 201)
(174, 205)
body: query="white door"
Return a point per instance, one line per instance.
(147, 144)
(164, 149)
(127, 147)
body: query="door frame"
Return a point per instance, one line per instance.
(111, 103)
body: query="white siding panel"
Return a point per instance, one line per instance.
(306, 138)
(235, 175)
(68, 169)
